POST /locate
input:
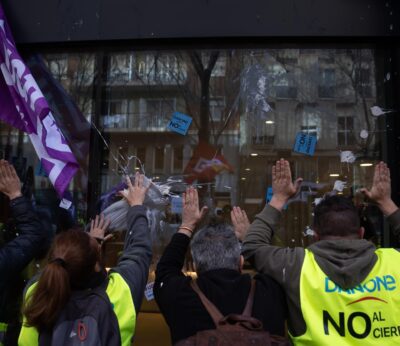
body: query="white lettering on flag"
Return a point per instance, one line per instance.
(25, 107)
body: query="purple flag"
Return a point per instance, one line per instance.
(22, 105)
(76, 129)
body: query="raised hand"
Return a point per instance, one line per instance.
(380, 192)
(10, 184)
(135, 193)
(240, 222)
(98, 228)
(191, 213)
(282, 185)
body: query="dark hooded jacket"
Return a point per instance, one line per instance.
(15, 256)
(346, 262)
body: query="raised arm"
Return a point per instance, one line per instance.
(380, 193)
(134, 262)
(172, 260)
(257, 248)
(169, 269)
(16, 254)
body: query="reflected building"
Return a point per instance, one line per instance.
(247, 105)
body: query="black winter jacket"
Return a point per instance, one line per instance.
(15, 255)
(227, 289)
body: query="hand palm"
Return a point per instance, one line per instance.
(282, 183)
(379, 190)
(191, 213)
(381, 184)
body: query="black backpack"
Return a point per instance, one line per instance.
(233, 329)
(88, 319)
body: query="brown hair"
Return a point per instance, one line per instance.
(72, 258)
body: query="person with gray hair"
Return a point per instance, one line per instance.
(216, 253)
(216, 247)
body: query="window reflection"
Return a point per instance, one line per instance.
(247, 107)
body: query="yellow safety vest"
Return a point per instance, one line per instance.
(3, 330)
(121, 299)
(368, 314)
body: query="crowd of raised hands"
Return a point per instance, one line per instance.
(134, 194)
(283, 186)
(192, 215)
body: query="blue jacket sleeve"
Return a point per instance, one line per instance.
(134, 263)
(16, 254)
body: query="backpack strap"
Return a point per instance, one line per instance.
(210, 307)
(250, 300)
(213, 310)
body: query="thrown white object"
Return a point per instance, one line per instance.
(117, 213)
(347, 156)
(378, 111)
(155, 201)
(364, 134)
(339, 185)
(309, 232)
(65, 204)
(318, 200)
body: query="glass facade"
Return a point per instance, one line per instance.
(247, 109)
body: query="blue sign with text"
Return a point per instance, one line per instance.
(180, 123)
(305, 143)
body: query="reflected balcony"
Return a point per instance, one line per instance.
(135, 122)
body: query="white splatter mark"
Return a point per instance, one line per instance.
(309, 232)
(391, 27)
(318, 200)
(378, 111)
(364, 134)
(65, 204)
(347, 156)
(339, 185)
(388, 76)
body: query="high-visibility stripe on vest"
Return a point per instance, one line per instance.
(368, 314)
(121, 299)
